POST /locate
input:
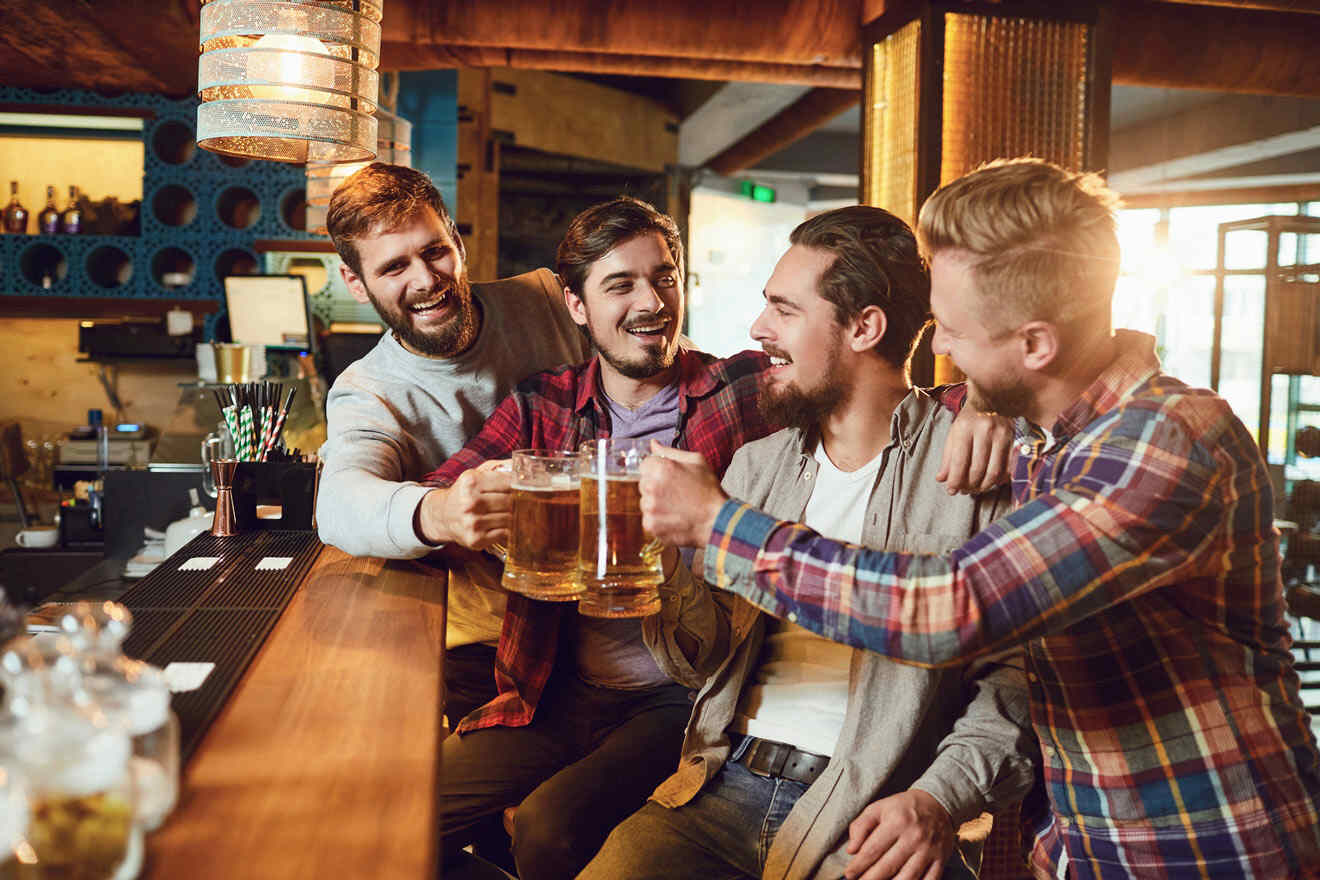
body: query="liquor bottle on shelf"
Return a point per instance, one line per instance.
(48, 221)
(71, 218)
(16, 216)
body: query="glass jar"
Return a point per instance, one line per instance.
(75, 762)
(81, 822)
(135, 696)
(14, 815)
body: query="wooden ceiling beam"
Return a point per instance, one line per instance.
(1250, 46)
(149, 47)
(412, 56)
(800, 32)
(797, 120)
(1270, 5)
(1216, 48)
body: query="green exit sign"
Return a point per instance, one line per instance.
(758, 193)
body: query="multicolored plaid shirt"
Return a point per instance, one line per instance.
(558, 409)
(1141, 571)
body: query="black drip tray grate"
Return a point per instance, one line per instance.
(149, 626)
(220, 615)
(226, 638)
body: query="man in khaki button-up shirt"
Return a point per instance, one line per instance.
(916, 751)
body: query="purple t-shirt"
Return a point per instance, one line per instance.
(656, 419)
(610, 652)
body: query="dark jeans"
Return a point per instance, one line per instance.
(590, 757)
(469, 680)
(469, 684)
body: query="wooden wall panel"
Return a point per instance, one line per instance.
(48, 390)
(478, 211)
(571, 117)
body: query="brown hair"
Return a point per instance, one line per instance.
(381, 198)
(601, 228)
(876, 263)
(1043, 239)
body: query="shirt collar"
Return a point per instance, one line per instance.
(696, 377)
(1134, 362)
(906, 423)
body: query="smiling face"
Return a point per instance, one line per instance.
(800, 331)
(416, 279)
(996, 380)
(631, 305)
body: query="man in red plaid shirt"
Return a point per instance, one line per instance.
(609, 729)
(586, 724)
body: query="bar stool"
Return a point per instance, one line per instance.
(13, 464)
(1304, 604)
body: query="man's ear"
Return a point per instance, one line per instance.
(354, 283)
(458, 243)
(868, 328)
(577, 309)
(1041, 344)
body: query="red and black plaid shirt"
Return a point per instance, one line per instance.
(558, 409)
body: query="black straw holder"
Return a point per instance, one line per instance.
(290, 484)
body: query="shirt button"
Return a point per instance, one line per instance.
(792, 617)
(1063, 822)
(907, 444)
(1025, 449)
(806, 475)
(1047, 751)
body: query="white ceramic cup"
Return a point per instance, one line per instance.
(38, 536)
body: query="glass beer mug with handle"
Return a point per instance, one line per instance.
(541, 558)
(619, 563)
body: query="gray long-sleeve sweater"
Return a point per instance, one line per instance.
(394, 416)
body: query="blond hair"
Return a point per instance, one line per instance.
(1042, 239)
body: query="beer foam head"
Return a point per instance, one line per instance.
(547, 483)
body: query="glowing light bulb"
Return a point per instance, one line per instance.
(288, 64)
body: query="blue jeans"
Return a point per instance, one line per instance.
(724, 833)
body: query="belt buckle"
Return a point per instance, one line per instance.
(772, 755)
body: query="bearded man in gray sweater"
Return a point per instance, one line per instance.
(452, 351)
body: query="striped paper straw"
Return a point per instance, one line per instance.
(231, 422)
(245, 432)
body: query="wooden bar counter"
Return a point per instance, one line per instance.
(322, 763)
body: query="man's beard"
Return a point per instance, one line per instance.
(451, 338)
(805, 409)
(1010, 399)
(656, 360)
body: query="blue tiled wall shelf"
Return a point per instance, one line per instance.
(201, 215)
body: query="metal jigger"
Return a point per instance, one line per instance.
(222, 472)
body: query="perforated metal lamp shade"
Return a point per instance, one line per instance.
(393, 145)
(289, 80)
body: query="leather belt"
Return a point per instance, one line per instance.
(765, 757)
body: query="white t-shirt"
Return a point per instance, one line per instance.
(799, 693)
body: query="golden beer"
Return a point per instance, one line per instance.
(542, 555)
(618, 561)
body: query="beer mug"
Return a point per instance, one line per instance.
(618, 562)
(541, 558)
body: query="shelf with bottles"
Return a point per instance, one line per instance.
(79, 216)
